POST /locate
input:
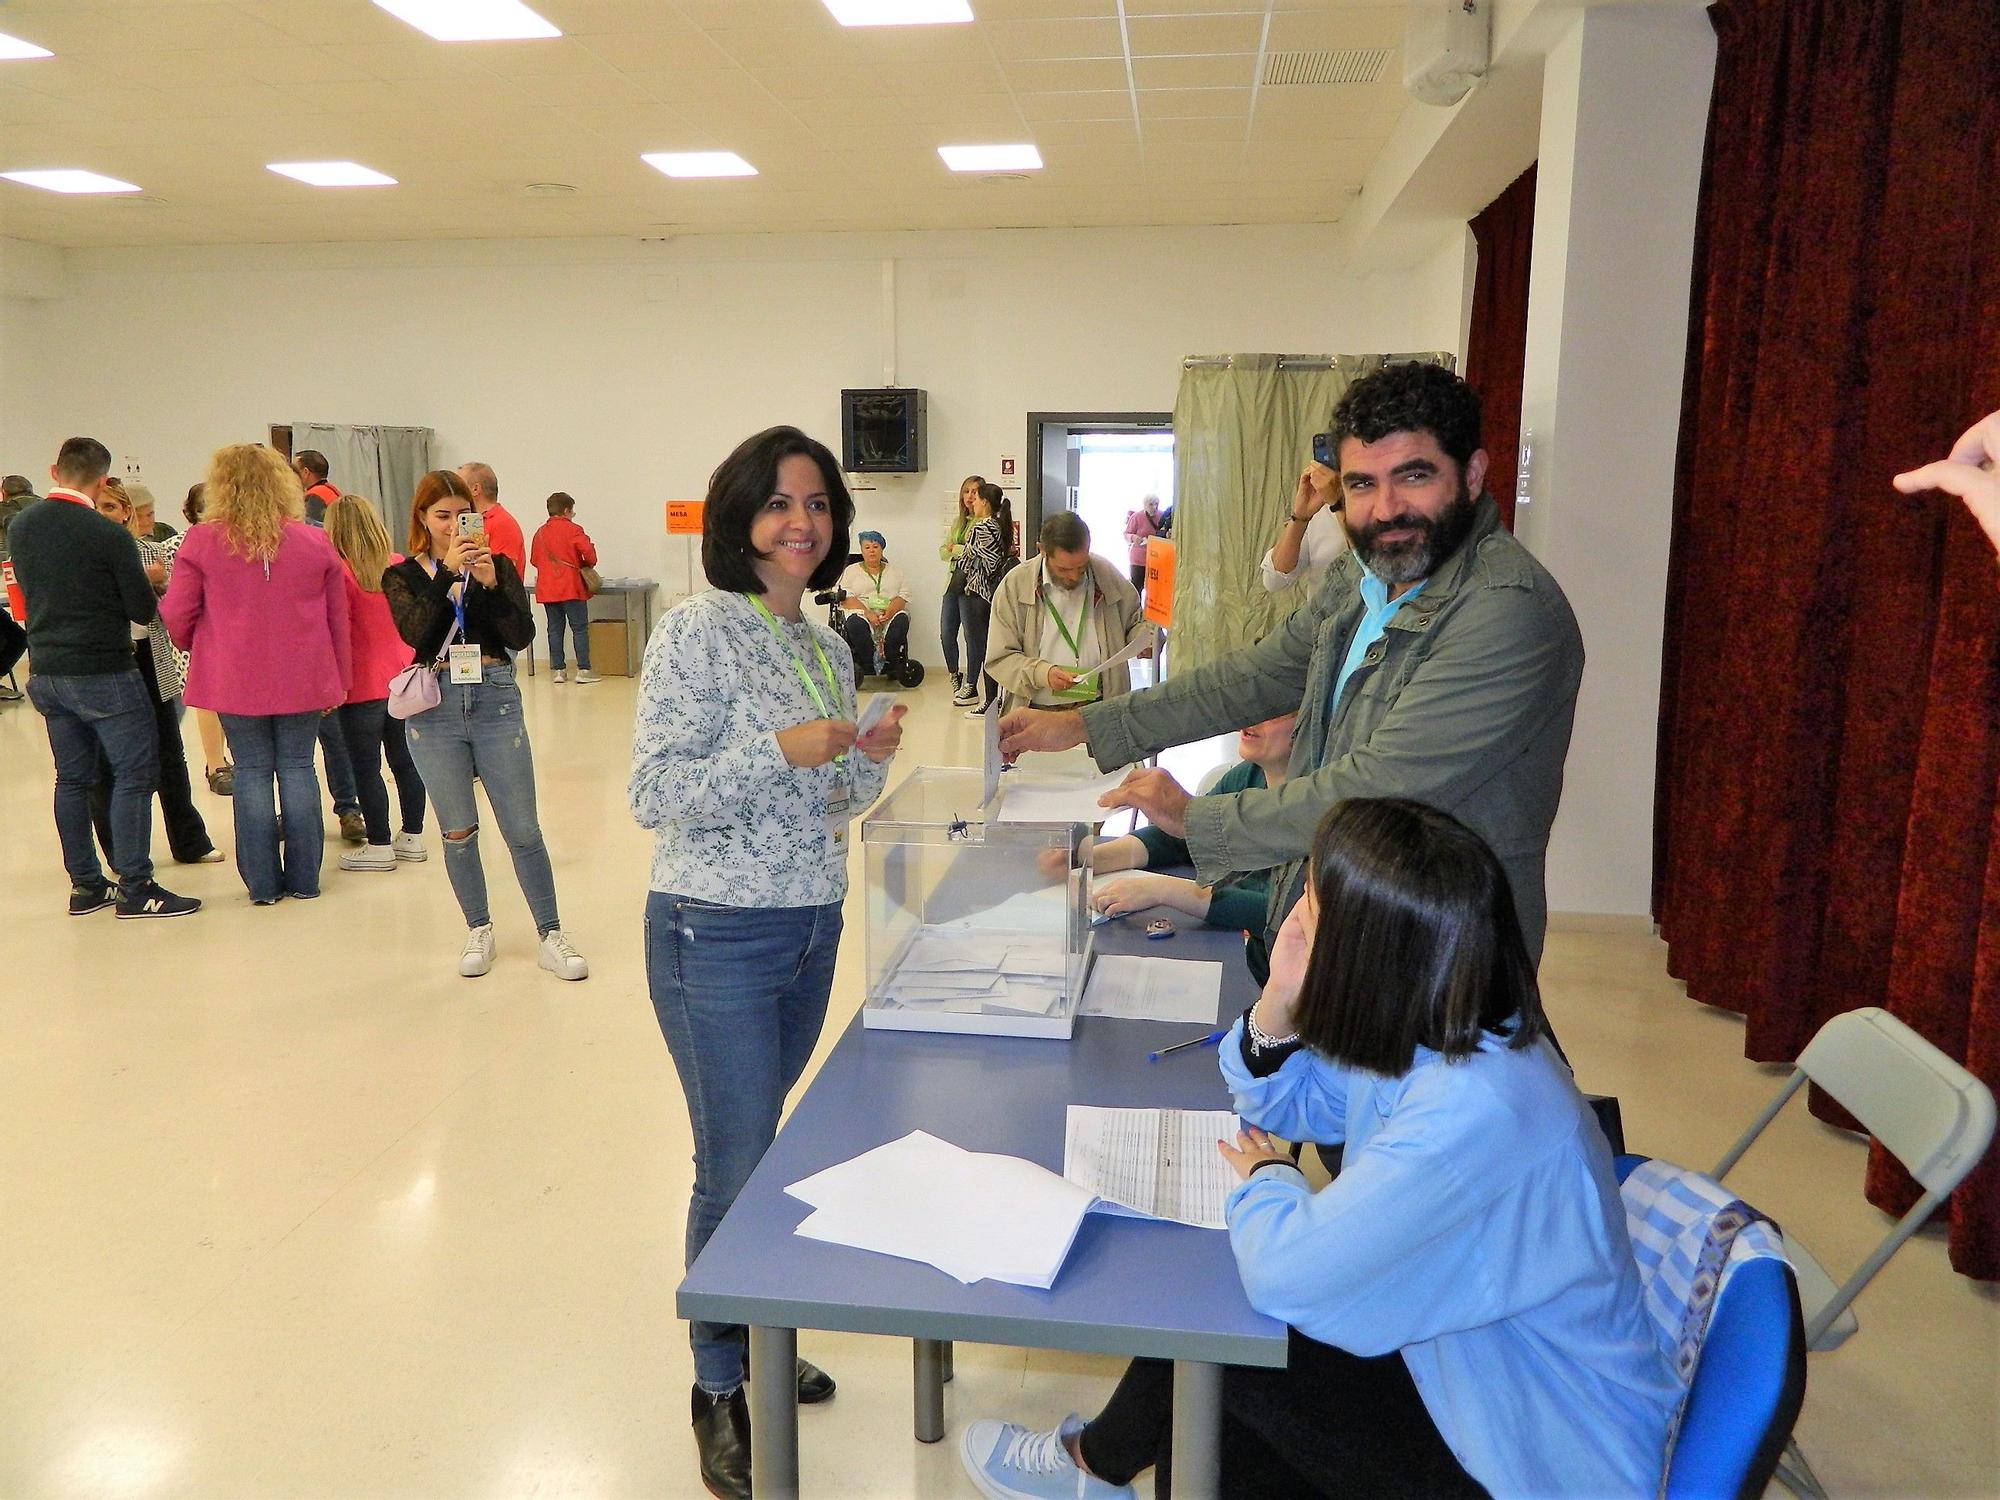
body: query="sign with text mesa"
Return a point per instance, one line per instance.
(684, 517)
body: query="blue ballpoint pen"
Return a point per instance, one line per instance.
(1201, 1041)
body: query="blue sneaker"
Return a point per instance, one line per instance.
(1008, 1462)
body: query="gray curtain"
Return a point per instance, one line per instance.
(382, 463)
(1243, 431)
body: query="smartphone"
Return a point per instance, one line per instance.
(1323, 449)
(471, 528)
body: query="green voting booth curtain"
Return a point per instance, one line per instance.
(1243, 431)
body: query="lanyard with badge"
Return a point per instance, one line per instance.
(1085, 685)
(836, 797)
(463, 658)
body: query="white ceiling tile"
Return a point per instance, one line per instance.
(1066, 75)
(1033, 40)
(1184, 36)
(1224, 70)
(1092, 104)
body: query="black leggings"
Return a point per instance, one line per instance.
(370, 732)
(187, 834)
(1330, 1424)
(978, 616)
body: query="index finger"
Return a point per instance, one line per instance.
(1954, 477)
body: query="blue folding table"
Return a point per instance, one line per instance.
(1130, 1286)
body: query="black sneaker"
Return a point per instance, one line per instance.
(85, 899)
(154, 900)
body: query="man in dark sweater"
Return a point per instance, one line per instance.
(86, 588)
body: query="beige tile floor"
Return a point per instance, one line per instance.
(288, 1209)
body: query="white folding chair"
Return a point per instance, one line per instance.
(1930, 1113)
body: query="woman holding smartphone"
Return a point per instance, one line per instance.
(462, 610)
(746, 767)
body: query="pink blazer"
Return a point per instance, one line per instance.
(266, 639)
(379, 650)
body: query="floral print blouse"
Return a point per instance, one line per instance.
(733, 822)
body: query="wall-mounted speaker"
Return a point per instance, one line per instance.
(882, 431)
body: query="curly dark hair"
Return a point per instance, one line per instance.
(1411, 397)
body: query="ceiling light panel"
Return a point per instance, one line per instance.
(12, 47)
(69, 180)
(699, 163)
(991, 158)
(331, 173)
(470, 20)
(898, 12)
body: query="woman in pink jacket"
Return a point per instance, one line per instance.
(261, 601)
(379, 653)
(1141, 526)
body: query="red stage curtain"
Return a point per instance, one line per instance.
(1497, 349)
(1830, 718)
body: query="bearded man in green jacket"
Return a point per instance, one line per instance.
(1438, 661)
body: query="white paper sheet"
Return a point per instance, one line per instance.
(1028, 798)
(873, 713)
(990, 766)
(1158, 1162)
(1153, 989)
(973, 1215)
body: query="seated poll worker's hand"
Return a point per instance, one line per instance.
(1971, 471)
(1061, 681)
(1052, 864)
(817, 741)
(1038, 729)
(883, 741)
(1155, 793)
(482, 569)
(1252, 1147)
(1116, 895)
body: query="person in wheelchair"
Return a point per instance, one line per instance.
(872, 613)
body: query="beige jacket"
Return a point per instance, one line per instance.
(1016, 632)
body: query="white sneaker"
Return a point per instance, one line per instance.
(588, 676)
(369, 857)
(477, 957)
(560, 959)
(965, 695)
(1008, 1462)
(556, 675)
(410, 846)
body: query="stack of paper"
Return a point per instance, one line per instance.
(1158, 1163)
(1054, 798)
(974, 1216)
(961, 969)
(1153, 989)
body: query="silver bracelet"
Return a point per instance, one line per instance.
(1259, 1040)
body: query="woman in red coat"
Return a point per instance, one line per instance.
(561, 551)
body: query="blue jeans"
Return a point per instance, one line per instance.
(339, 769)
(477, 730)
(576, 613)
(102, 719)
(949, 617)
(371, 734)
(280, 746)
(740, 993)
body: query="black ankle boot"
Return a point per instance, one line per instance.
(722, 1438)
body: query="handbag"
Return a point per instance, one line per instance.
(415, 689)
(593, 582)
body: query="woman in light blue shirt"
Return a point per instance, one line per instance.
(1464, 1304)
(746, 767)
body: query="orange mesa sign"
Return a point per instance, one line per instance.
(1160, 581)
(684, 517)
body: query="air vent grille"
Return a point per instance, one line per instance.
(1350, 65)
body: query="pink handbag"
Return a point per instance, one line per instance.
(415, 690)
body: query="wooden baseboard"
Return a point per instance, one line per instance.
(1601, 921)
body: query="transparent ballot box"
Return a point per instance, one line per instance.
(973, 926)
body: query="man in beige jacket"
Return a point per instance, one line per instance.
(1058, 618)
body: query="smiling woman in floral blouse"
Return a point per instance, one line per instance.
(746, 767)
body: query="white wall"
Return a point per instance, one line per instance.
(623, 372)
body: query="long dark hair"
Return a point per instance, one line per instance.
(1417, 942)
(1003, 513)
(738, 490)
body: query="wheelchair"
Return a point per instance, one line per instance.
(909, 671)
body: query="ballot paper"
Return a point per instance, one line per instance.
(960, 969)
(973, 1215)
(990, 763)
(1028, 798)
(1153, 989)
(1160, 1163)
(873, 713)
(1144, 643)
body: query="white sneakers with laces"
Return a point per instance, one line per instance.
(587, 676)
(369, 857)
(1008, 1462)
(477, 956)
(558, 674)
(409, 846)
(561, 959)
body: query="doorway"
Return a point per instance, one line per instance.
(1100, 465)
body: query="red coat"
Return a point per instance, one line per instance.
(561, 547)
(503, 536)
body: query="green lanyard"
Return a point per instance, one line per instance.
(799, 666)
(1072, 639)
(875, 578)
